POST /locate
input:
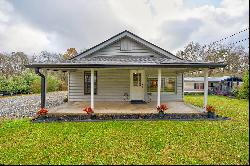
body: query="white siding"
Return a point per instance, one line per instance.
(113, 83)
(134, 49)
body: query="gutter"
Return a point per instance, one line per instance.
(42, 87)
(79, 65)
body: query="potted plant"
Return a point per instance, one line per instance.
(161, 109)
(88, 110)
(210, 111)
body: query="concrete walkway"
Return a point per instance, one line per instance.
(122, 107)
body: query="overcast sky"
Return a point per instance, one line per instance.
(55, 25)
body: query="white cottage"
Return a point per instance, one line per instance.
(125, 67)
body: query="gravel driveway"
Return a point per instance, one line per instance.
(28, 105)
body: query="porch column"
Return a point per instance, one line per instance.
(159, 88)
(92, 88)
(205, 88)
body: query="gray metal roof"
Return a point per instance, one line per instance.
(126, 62)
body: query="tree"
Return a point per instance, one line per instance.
(192, 52)
(46, 57)
(13, 63)
(236, 58)
(71, 52)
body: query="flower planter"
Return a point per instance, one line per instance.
(210, 114)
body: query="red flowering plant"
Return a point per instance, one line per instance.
(162, 108)
(210, 108)
(42, 111)
(210, 111)
(88, 110)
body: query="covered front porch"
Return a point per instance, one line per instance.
(122, 107)
(134, 85)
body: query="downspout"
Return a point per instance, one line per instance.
(42, 87)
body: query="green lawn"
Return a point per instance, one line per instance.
(138, 142)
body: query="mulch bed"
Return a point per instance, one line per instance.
(126, 117)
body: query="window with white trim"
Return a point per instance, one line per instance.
(168, 84)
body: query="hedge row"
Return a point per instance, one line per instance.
(27, 82)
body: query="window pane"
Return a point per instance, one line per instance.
(135, 79)
(87, 82)
(170, 85)
(139, 79)
(196, 86)
(201, 85)
(152, 84)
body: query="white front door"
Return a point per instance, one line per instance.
(137, 81)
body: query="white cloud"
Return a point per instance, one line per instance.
(170, 24)
(20, 37)
(16, 35)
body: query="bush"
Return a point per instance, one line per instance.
(35, 86)
(235, 92)
(53, 84)
(244, 89)
(27, 82)
(3, 83)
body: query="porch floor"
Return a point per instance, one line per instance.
(122, 107)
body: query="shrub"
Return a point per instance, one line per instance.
(89, 110)
(244, 89)
(52, 84)
(210, 108)
(162, 108)
(235, 92)
(3, 83)
(36, 85)
(42, 111)
(28, 82)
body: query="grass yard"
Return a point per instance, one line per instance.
(138, 142)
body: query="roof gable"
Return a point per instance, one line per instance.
(136, 47)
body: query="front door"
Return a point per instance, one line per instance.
(137, 81)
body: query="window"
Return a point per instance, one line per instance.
(170, 84)
(198, 85)
(137, 79)
(167, 84)
(87, 82)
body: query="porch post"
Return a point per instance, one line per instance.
(205, 88)
(159, 88)
(92, 88)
